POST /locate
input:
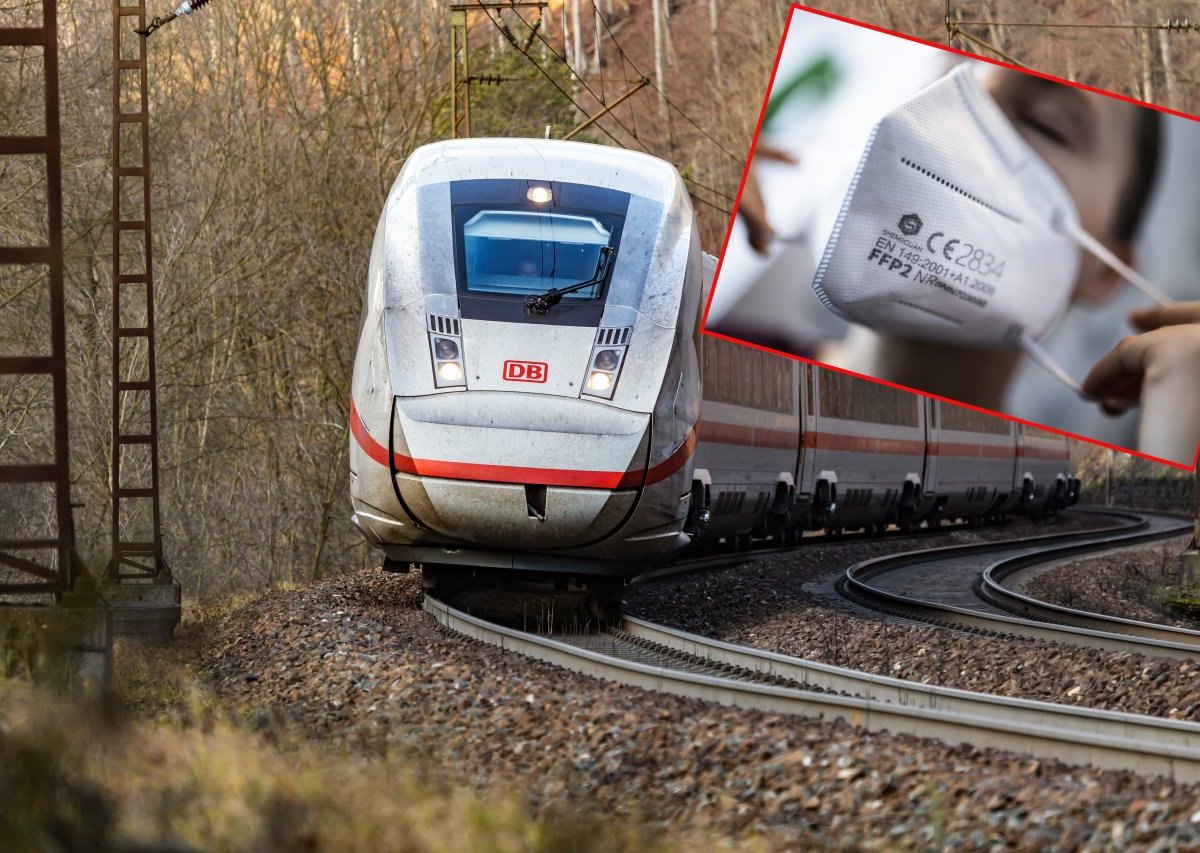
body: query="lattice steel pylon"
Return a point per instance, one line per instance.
(36, 536)
(138, 581)
(460, 57)
(460, 76)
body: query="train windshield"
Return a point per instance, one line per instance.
(519, 252)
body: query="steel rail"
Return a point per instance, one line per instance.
(993, 589)
(1105, 739)
(1096, 631)
(727, 559)
(900, 691)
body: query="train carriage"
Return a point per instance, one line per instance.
(972, 463)
(864, 459)
(749, 446)
(1043, 483)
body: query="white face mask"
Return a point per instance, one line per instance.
(955, 230)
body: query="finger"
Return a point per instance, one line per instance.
(760, 235)
(1158, 316)
(1118, 374)
(754, 215)
(1117, 405)
(772, 153)
(751, 212)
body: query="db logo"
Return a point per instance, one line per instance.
(526, 371)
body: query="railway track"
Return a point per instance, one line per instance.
(654, 657)
(970, 586)
(811, 539)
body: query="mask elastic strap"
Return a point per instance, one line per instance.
(1040, 354)
(1047, 362)
(1103, 253)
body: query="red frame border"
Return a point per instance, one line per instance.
(797, 7)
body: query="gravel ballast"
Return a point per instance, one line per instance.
(1132, 583)
(355, 663)
(784, 603)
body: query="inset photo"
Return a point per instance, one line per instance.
(972, 230)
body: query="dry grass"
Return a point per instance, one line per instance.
(159, 765)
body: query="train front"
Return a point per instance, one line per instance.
(525, 389)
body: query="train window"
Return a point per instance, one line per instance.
(747, 377)
(507, 246)
(524, 252)
(723, 366)
(712, 373)
(969, 420)
(851, 398)
(712, 368)
(730, 377)
(783, 378)
(1034, 432)
(741, 390)
(752, 378)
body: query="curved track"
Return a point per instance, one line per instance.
(724, 559)
(964, 586)
(649, 656)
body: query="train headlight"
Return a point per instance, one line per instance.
(605, 362)
(606, 359)
(445, 348)
(446, 351)
(598, 380)
(539, 195)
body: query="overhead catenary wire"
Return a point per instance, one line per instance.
(566, 64)
(671, 104)
(537, 65)
(534, 34)
(563, 60)
(625, 74)
(954, 29)
(954, 32)
(574, 102)
(1169, 24)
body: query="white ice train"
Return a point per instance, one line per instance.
(527, 392)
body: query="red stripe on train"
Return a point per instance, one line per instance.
(671, 464)
(863, 443)
(1044, 452)
(974, 451)
(722, 433)
(519, 474)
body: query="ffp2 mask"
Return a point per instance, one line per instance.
(954, 229)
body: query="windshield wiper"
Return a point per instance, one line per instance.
(541, 303)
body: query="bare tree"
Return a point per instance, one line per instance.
(277, 128)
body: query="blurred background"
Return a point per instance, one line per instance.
(835, 81)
